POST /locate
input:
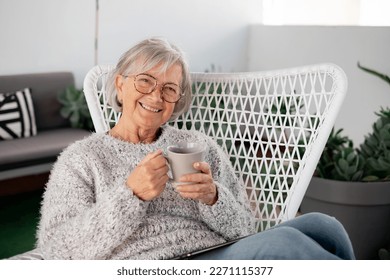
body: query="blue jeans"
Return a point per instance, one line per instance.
(312, 236)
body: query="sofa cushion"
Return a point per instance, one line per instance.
(17, 119)
(44, 88)
(44, 147)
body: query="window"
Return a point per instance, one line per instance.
(326, 12)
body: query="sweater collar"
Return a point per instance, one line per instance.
(160, 142)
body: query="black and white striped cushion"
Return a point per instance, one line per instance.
(17, 117)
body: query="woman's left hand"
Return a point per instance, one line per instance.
(199, 186)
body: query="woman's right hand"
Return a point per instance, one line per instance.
(148, 179)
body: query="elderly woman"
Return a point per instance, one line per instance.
(109, 196)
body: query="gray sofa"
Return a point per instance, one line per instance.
(36, 154)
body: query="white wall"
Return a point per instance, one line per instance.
(55, 35)
(273, 47)
(46, 35)
(210, 32)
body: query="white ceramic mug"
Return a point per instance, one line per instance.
(182, 157)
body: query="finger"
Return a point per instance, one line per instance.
(207, 199)
(196, 178)
(163, 180)
(151, 156)
(163, 170)
(203, 167)
(207, 194)
(159, 162)
(152, 174)
(195, 188)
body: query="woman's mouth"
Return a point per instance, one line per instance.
(151, 109)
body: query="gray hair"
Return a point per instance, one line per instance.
(151, 52)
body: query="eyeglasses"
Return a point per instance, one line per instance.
(146, 84)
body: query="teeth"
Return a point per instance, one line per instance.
(149, 108)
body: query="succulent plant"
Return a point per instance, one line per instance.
(376, 149)
(370, 161)
(339, 160)
(349, 165)
(75, 108)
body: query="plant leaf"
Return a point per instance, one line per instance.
(370, 178)
(343, 164)
(375, 73)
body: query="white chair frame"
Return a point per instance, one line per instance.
(272, 124)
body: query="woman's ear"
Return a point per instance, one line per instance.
(119, 87)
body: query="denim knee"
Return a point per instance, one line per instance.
(324, 222)
(317, 217)
(287, 243)
(327, 231)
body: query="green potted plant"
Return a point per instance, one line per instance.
(75, 108)
(353, 184)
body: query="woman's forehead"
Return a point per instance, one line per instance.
(173, 72)
(165, 69)
(143, 64)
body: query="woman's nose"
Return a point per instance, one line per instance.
(157, 92)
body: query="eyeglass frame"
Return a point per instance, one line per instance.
(162, 86)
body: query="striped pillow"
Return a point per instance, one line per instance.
(17, 118)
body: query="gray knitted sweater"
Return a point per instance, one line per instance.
(88, 212)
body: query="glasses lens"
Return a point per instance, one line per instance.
(171, 92)
(144, 83)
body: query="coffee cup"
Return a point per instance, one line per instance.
(182, 157)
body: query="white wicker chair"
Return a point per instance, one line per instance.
(273, 125)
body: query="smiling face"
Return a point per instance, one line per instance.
(147, 111)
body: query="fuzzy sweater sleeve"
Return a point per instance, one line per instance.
(230, 216)
(74, 225)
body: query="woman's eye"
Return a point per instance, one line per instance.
(145, 82)
(170, 90)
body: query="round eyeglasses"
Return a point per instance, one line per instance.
(146, 84)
